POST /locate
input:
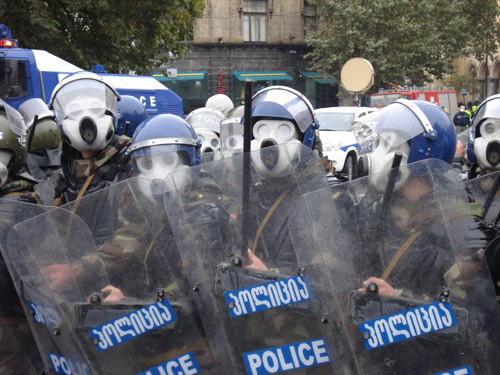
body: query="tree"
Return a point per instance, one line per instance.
(407, 42)
(459, 82)
(122, 35)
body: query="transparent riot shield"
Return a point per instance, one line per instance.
(231, 227)
(484, 193)
(115, 282)
(34, 247)
(396, 296)
(18, 350)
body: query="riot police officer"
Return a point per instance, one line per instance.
(484, 139)
(206, 123)
(94, 156)
(414, 130)
(44, 154)
(18, 352)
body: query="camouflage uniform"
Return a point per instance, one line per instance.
(110, 165)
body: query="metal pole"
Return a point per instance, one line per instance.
(247, 137)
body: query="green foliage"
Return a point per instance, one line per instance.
(483, 32)
(458, 82)
(122, 35)
(407, 42)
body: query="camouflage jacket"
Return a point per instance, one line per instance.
(110, 165)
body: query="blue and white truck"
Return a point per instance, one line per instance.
(30, 73)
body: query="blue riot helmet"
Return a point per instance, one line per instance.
(161, 145)
(86, 110)
(418, 129)
(131, 112)
(281, 115)
(484, 137)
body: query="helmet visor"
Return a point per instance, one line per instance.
(31, 108)
(294, 103)
(15, 120)
(157, 161)
(84, 94)
(395, 124)
(490, 109)
(205, 118)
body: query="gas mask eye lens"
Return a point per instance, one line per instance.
(284, 131)
(168, 159)
(214, 142)
(262, 131)
(232, 143)
(201, 138)
(97, 109)
(146, 163)
(489, 127)
(74, 110)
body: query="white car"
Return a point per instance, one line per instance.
(339, 142)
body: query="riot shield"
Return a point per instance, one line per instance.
(484, 192)
(231, 228)
(18, 350)
(396, 294)
(56, 347)
(117, 286)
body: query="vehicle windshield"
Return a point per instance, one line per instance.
(384, 99)
(335, 121)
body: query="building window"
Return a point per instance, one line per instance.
(254, 20)
(310, 18)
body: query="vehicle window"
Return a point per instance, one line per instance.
(384, 99)
(15, 80)
(335, 121)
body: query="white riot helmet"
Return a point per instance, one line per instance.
(484, 136)
(85, 107)
(221, 103)
(206, 124)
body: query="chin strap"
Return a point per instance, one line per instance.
(395, 259)
(82, 192)
(267, 217)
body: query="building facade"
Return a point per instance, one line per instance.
(485, 72)
(263, 40)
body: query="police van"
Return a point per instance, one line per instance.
(29, 73)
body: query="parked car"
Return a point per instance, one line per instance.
(339, 142)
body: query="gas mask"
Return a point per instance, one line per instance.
(154, 164)
(278, 161)
(380, 160)
(487, 146)
(210, 144)
(5, 159)
(86, 111)
(206, 124)
(87, 124)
